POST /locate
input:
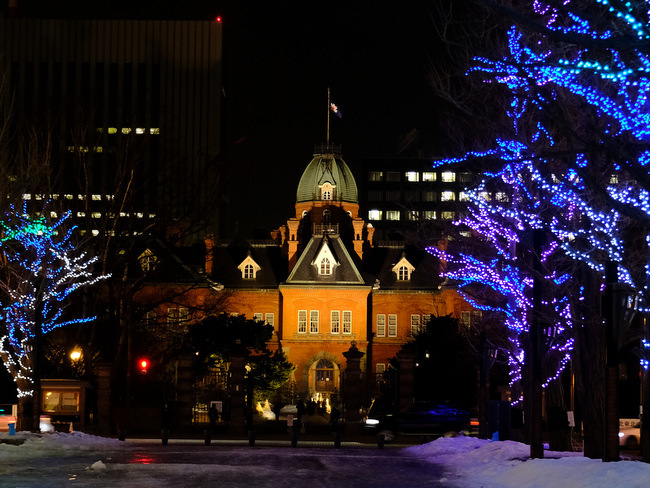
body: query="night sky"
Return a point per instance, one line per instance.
(279, 59)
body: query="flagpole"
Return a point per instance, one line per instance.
(329, 106)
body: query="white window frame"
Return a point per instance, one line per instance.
(381, 325)
(259, 317)
(302, 321)
(313, 321)
(249, 272)
(415, 324)
(325, 268)
(269, 318)
(347, 321)
(392, 325)
(403, 274)
(335, 322)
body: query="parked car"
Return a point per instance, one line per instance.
(422, 419)
(629, 433)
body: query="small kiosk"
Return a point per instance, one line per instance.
(64, 401)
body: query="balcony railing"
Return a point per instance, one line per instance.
(322, 229)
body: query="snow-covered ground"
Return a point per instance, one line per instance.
(458, 462)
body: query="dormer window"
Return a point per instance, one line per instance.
(327, 191)
(325, 261)
(148, 260)
(325, 267)
(249, 268)
(403, 269)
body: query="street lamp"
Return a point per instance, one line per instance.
(75, 355)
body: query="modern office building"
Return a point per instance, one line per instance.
(131, 110)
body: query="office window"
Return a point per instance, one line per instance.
(347, 321)
(392, 176)
(463, 196)
(302, 321)
(313, 321)
(392, 325)
(381, 325)
(392, 214)
(375, 215)
(375, 176)
(430, 214)
(448, 215)
(465, 177)
(429, 196)
(448, 177)
(412, 176)
(335, 322)
(413, 215)
(428, 176)
(447, 196)
(375, 196)
(393, 196)
(415, 324)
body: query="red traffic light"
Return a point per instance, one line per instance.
(143, 364)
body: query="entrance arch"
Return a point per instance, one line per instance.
(323, 375)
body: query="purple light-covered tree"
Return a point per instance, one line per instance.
(574, 164)
(40, 270)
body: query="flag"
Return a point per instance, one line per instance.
(335, 109)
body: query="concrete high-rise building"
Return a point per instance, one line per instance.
(127, 103)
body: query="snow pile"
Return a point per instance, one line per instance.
(505, 464)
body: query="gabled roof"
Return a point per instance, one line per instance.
(383, 263)
(226, 261)
(306, 269)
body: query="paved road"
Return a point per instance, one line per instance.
(145, 464)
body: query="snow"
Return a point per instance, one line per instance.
(464, 462)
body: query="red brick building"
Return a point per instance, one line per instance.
(322, 282)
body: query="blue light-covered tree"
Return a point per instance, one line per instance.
(572, 161)
(40, 271)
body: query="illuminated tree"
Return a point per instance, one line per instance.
(40, 270)
(572, 164)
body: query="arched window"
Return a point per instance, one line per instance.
(325, 267)
(327, 217)
(249, 272)
(403, 273)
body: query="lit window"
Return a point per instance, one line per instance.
(448, 177)
(428, 176)
(96, 215)
(154, 131)
(148, 260)
(176, 316)
(613, 179)
(380, 368)
(139, 130)
(381, 325)
(447, 196)
(412, 176)
(415, 324)
(463, 196)
(335, 322)
(313, 321)
(392, 214)
(269, 318)
(302, 321)
(53, 215)
(485, 196)
(249, 272)
(502, 197)
(126, 130)
(258, 317)
(112, 130)
(413, 215)
(375, 215)
(347, 321)
(403, 273)
(67, 196)
(96, 197)
(81, 214)
(325, 267)
(430, 214)
(429, 196)
(375, 176)
(95, 232)
(448, 215)
(27, 196)
(392, 325)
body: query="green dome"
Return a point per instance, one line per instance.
(327, 168)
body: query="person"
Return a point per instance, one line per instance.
(335, 417)
(300, 414)
(213, 415)
(166, 420)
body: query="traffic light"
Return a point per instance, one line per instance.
(143, 365)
